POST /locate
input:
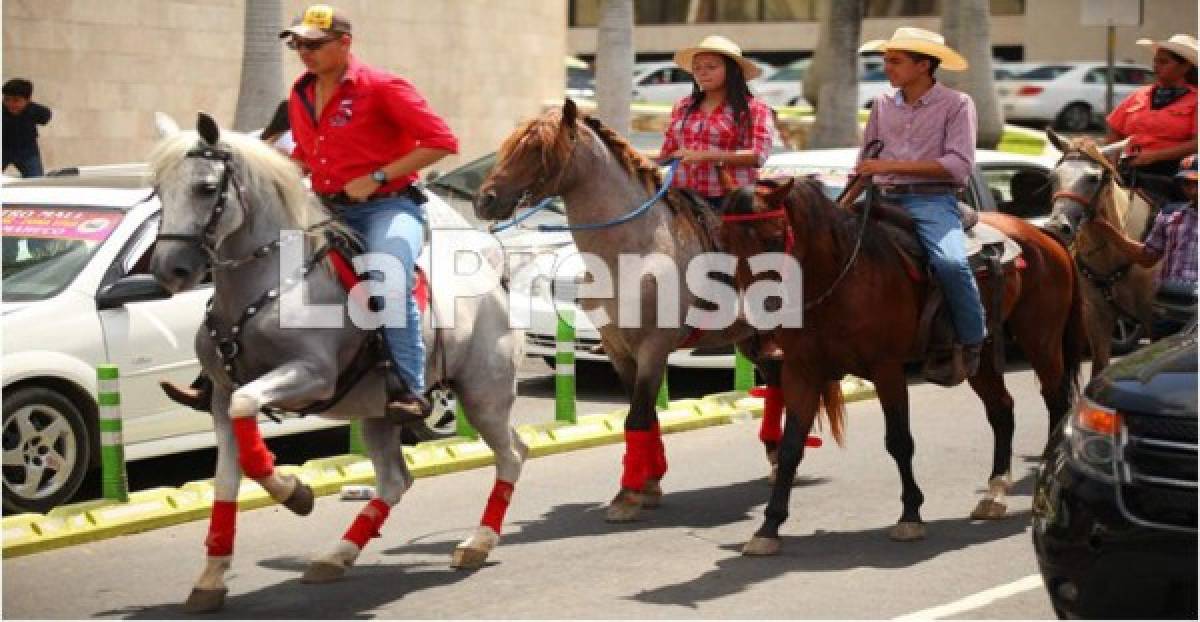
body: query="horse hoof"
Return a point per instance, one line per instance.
(907, 532)
(760, 546)
(467, 558)
(624, 508)
(652, 495)
(301, 501)
(205, 601)
(323, 572)
(989, 510)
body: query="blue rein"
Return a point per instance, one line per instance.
(544, 203)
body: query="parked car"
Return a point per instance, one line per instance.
(581, 83)
(785, 87)
(1069, 95)
(1006, 70)
(1114, 507)
(664, 82)
(991, 188)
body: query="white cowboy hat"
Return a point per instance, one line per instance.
(717, 45)
(920, 41)
(1181, 45)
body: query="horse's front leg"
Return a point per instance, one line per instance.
(392, 478)
(645, 461)
(290, 383)
(802, 398)
(208, 594)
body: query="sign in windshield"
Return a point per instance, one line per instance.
(61, 224)
(45, 248)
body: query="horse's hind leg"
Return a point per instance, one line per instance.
(208, 593)
(892, 389)
(988, 384)
(392, 479)
(488, 407)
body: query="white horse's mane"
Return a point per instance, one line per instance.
(262, 169)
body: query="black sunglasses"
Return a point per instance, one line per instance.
(312, 45)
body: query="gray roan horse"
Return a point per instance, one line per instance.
(1086, 187)
(601, 179)
(226, 199)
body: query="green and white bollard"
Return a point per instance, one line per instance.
(357, 446)
(564, 366)
(664, 396)
(462, 427)
(114, 481)
(743, 372)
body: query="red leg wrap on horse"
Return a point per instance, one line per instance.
(658, 466)
(639, 458)
(221, 528)
(772, 421)
(256, 461)
(497, 505)
(366, 525)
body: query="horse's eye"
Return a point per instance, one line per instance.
(204, 188)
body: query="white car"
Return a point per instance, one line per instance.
(1069, 95)
(76, 294)
(664, 82)
(1002, 181)
(785, 87)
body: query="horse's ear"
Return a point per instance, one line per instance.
(1113, 152)
(1059, 142)
(207, 128)
(570, 112)
(779, 192)
(167, 127)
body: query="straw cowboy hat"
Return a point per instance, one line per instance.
(1181, 45)
(717, 45)
(920, 41)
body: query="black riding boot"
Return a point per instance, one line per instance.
(198, 396)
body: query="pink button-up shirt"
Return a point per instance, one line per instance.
(940, 126)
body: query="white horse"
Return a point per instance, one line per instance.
(226, 199)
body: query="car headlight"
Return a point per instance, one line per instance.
(1091, 435)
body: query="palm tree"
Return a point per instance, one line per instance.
(828, 85)
(966, 28)
(614, 64)
(262, 65)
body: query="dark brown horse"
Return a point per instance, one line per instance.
(866, 324)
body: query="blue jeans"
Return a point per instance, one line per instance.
(939, 228)
(396, 226)
(29, 164)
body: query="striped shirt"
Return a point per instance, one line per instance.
(716, 131)
(939, 126)
(1173, 238)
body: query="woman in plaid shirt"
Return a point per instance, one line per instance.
(721, 124)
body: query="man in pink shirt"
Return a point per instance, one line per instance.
(928, 135)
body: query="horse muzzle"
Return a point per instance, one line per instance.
(178, 267)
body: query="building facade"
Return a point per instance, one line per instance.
(106, 67)
(778, 31)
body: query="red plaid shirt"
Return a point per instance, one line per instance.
(716, 131)
(371, 120)
(1174, 239)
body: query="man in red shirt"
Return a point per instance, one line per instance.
(364, 134)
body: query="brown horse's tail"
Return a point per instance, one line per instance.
(1074, 343)
(833, 404)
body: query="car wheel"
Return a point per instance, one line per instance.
(1127, 334)
(46, 449)
(1075, 118)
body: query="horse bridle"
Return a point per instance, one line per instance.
(1088, 203)
(203, 238)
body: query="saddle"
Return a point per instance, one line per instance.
(990, 254)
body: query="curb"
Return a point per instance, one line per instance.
(100, 519)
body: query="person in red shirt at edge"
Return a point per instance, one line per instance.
(363, 134)
(1159, 119)
(720, 123)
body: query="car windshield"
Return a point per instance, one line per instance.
(834, 178)
(1049, 72)
(789, 74)
(46, 248)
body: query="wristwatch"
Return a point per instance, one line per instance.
(379, 176)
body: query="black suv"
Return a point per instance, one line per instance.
(1114, 509)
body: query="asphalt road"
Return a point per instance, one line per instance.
(559, 559)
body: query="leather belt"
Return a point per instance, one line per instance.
(341, 198)
(894, 189)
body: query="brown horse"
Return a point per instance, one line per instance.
(866, 324)
(602, 179)
(1115, 290)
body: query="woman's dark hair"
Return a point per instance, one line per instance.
(1191, 74)
(737, 94)
(19, 87)
(934, 62)
(278, 124)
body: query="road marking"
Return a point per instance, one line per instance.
(975, 601)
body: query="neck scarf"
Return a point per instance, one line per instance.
(1164, 95)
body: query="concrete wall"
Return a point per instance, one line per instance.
(105, 67)
(1049, 30)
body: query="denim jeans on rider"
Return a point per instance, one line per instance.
(396, 226)
(939, 227)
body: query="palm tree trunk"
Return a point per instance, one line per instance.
(966, 28)
(614, 64)
(262, 65)
(836, 88)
